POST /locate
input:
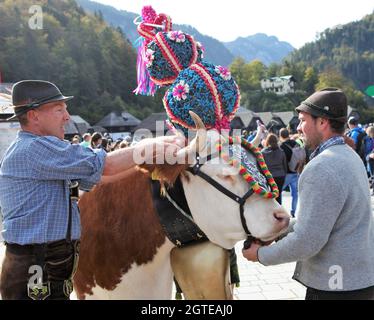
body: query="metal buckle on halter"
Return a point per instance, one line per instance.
(196, 168)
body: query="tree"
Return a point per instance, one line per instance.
(310, 80)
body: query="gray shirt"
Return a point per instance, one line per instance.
(333, 237)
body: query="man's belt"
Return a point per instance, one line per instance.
(33, 248)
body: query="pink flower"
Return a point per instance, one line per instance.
(223, 72)
(181, 90)
(177, 36)
(149, 57)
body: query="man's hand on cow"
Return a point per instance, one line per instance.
(251, 253)
(160, 149)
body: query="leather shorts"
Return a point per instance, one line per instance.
(39, 271)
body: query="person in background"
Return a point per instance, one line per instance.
(357, 134)
(292, 178)
(368, 148)
(105, 145)
(75, 140)
(123, 144)
(86, 140)
(276, 161)
(96, 140)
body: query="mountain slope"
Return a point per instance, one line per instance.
(347, 48)
(268, 49)
(216, 52)
(80, 53)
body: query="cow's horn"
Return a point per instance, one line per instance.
(201, 132)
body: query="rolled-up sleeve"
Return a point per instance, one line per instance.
(88, 183)
(58, 160)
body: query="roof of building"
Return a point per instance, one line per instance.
(286, 116)
(245, 115)
(288, 77)
(115, 119)
(70, 128)
(81, 124)
(150, 122)
(265, 117)
(79, 119)
(98, 129)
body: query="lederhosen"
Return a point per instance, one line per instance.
(41, 271)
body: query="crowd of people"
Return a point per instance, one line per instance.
(101, 141)
(278, 148)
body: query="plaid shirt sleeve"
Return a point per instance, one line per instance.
(58, 160)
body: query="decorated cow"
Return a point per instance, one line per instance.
(181, 218)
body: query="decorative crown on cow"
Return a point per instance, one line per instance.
(174, 58)
(168, 57)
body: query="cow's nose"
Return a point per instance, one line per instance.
(282, 217)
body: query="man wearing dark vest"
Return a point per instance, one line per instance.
(41, 224)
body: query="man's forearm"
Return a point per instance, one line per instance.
(119, 161)
(143, 152)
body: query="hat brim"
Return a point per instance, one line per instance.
(305, 108)
(59, 98)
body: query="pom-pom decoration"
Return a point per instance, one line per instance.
(151, 24)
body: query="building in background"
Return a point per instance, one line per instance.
(119, 125)
(279, 85)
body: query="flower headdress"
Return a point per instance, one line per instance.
(207, 90)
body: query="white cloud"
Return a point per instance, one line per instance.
(294, 21)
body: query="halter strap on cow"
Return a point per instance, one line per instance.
(254, 185)
(174, 214)
(261, 191)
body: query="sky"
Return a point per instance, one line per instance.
(294, 21)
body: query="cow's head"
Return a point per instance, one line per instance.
(215, 213)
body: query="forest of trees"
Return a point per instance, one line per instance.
(342, 57)
(97, 64)
(80, 53)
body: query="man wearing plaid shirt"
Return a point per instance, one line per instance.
(41, 224)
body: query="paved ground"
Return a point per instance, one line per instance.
(267, 283)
